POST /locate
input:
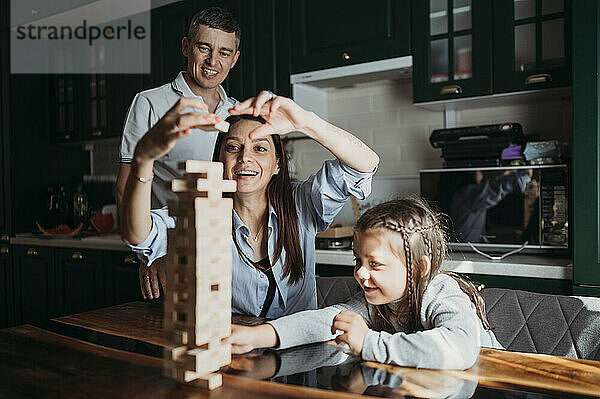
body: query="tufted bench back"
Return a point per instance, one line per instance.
(545, 323)
(332, 290)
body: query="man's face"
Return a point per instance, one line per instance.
(211, 54)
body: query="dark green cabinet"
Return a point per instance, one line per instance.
(169, 25)
(122, 284)
(6, 283)
(38, 283)
(586, 139)
(532, 45)
(335, 33)
(91, 106)
(465, 48)
(34, 286)
(264, 62)
(79, 280)
(452, 52)
(4, 15)
(5, 215)
(65, 100)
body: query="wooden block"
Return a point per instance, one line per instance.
(209, 381)
(222, 126)
(208, 360)
(212, 169)
(175, 353)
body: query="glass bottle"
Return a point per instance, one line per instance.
(80, 206)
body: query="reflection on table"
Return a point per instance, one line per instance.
(90, 354)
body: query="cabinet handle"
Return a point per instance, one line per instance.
(67, 137)
(451, 89)
(77, 256)
(129, 260)
(345, 56)
(97, 133)
(4, 251)
(539, 78)
(32, 252)
(4, 237)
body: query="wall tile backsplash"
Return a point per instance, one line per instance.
(382, 115)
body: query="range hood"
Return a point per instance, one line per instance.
(349, 75)
(310, 89)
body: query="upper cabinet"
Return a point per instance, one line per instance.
(335, 33)
(452, 49)
(5, 214)
(4, 14)
(454, 39)
(534, 46)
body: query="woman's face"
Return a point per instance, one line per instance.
(251, 163)
(379, 271)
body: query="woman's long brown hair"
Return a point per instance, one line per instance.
(421, 233)
(279, 195)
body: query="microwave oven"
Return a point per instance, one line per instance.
(502, 208)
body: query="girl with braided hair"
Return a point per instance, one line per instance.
(410, 313)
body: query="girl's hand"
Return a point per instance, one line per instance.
(354, 327)
(245, 339)
(175, 124)
(282, 114)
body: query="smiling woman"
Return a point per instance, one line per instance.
(274, 220)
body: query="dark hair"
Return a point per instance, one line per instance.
(216, 18)
(422, 233)
(279, 194)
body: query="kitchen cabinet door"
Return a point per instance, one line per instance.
(79, 280)
(6, 295)
(586, 140)
(122, 282)
(452, 44)
(264, 62)
(334, 33)
(65, 102)
(5, 214)
(4, 14)
(34, 284)
(169, 25)
(532, 44)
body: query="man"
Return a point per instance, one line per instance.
(211, 47)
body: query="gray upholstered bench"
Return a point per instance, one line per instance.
(522, 321)
(545, 323)
(332, 290)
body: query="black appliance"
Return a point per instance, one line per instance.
(503, 208)
(476, 145)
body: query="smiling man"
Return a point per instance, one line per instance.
(211, 47)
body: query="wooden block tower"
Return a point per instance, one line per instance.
(197, 307)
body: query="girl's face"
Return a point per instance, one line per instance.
(379, 271)
(251, 163)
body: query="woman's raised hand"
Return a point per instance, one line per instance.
(282, 114)
(175, 124)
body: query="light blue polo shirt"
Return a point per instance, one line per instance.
(146, 109)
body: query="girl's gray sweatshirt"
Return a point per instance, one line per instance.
(452, 336)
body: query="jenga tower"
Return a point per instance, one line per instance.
(197, 305)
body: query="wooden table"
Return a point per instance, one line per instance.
(74, 357)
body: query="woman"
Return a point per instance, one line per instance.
(274, 221)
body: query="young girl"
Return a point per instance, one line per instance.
(411, 313)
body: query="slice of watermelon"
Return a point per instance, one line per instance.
(61, 230)
(103, 222)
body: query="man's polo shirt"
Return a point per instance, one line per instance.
(146, 109)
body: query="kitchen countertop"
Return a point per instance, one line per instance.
(110, 241)
(549, 267)
(536, 266)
